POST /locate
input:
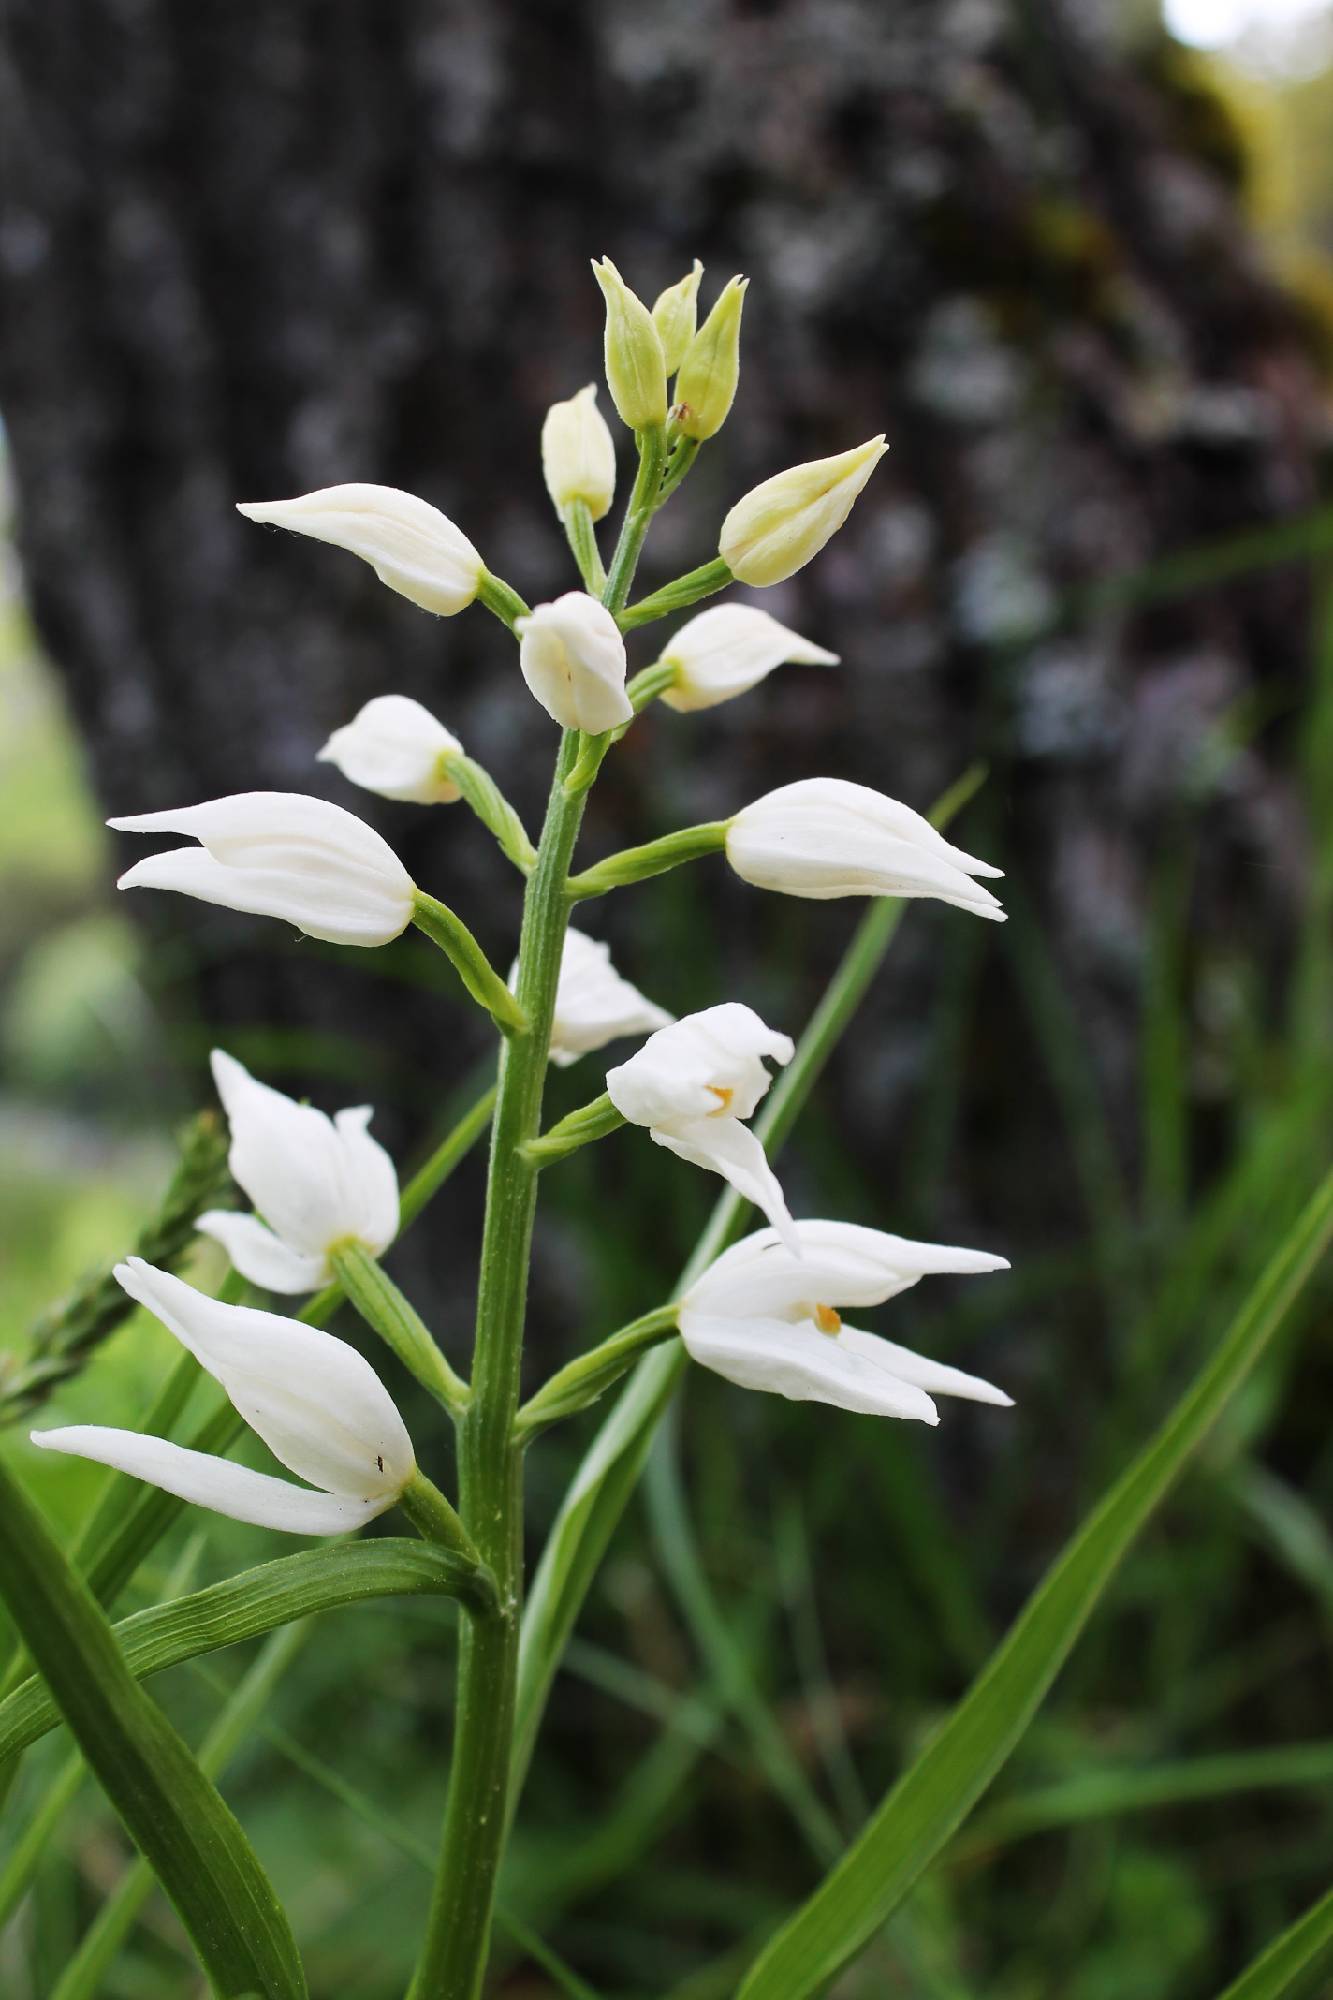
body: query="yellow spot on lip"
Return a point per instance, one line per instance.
(723, 1093)
(827, 1320)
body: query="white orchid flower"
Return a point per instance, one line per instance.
(694, 1082)
(317, 1404)
(572, 656)
(317, 1181)
(824, 837)
(729, 649)
(396, 747)
(780, 524)
(579, 454)
(593, 1004)
(767, 1319)
(409, 544)
(280, 854)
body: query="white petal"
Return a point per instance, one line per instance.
(572, 656)
(593, 1004)
(370, 1180)
(395, 747)
(410, 545)
(214, 1482)
(932, 1376)
(318, 1405)
(729, 648)
(841, 1264)
(261, 1256)
(802, 1364)
(725, 1146)
(709, 1064)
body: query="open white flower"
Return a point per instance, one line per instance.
(729, 649)
(694, 1082)
(317, 1404)
(593, 1004)
(317, 1181)
(280, 854)
(572, 656)
(396, 747)
(409, 544)
(824, 837)
(767, 1319)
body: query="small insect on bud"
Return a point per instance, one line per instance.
(780, 524)
(711, 369)
(578, 455)
(674, 315)
(636, 372)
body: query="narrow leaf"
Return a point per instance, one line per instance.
(173, 1812)
(926, 1805)
(257, 1601)
(1286, 1963)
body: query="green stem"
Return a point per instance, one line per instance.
(500, 600)
(650, 682)
(636, 864)
(705, 581)
(453, 1957)
(584, 1379)
(643, 502)
(492, 808)
(576, 520)
(579, 1128)
(683, 454)
(469, 961)
(434, 1519)
(395, 1319)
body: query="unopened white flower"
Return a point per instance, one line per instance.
(572, 656)
(579, 454)
(768, 1319)
(781, 523)
(280, 854)
(824, 837)
(694, 1082)
(317, 1182)
(396, 747)
(728, 649)
(593, 1004)
(409, 544)
(317, 1404)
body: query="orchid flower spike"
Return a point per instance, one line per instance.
(572, 656)
(280, 854)
(694, 1082)
(395, 747)
(824, 837)
(729, 649)
(767, 1318)
(317, 1404)
(593, 1004)
(409, 544)
(317, 1181)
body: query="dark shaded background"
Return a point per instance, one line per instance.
(247, 251)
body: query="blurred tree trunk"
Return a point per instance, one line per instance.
(248, 251)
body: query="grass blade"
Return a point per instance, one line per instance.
(926, 1805)
(246, 1606)
(173, 1812)
(1285, 1964)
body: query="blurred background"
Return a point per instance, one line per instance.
(1075, 259)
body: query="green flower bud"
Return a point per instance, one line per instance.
(673, 316)
(635, 366)
(711, 369)
(779, 525)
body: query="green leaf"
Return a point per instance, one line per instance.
(174, 1813)
(257, 1601)
(1283, 1966)
(926, 1805)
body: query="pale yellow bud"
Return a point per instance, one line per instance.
(673, 316)
(578, 455)
(711, 369)
(636, 371)
(782, 523)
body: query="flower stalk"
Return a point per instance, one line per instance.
(470, 962)
(637, 864)
(386, 1312)
(579, 1128)
(574, 1387)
